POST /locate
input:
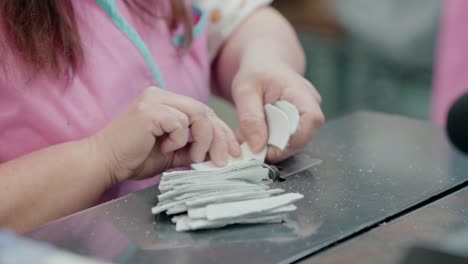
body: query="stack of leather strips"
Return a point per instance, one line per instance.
(239, 193)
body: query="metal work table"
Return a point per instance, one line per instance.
(389, 243)
(375, 168)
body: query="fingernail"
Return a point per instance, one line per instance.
(222, 162)
(234, 149)
(273, 154)
(255, 142)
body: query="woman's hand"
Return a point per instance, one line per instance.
(259, 83)
(261, 62)
(152, 135)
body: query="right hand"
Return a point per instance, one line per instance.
(152, 135)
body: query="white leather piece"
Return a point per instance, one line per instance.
(238, 193)
(293, 114)
(246, 155)
(242, 208)
(278, 127)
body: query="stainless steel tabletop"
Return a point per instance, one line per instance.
(374, 167)
(435, 224)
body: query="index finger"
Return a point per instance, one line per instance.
(200, 125)
(252, 123)
(311, 119)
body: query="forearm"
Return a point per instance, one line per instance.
(264, 39)
(49, 184)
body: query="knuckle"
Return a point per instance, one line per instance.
(217, 133)
(222, 138)
(143, 112)
(249, 122)
(142, 106)
(319, 120)
(308, 85)
(315, 119)
(300, 140)
(243, 91)
(274, 155)
(149, 91)
(308, 116)
(224, 127)
(206, 108)
(310, 88)
(225, 131)
(201, 110)
(318, 97)
(179, 142)
(184, 120)
(230, 134)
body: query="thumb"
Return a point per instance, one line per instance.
(249, 107)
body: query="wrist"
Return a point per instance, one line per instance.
(262, 55)
(253, 69)
(99, 161)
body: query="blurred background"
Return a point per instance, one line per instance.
(372, 55)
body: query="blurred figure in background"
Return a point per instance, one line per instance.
(369, 54)
(400, 32)
(451, 68)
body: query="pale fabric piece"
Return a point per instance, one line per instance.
(191, 185)
(210, 166)
(282, 120)
(232, 197)
(182, 224)
(241, 192)
(284, 209)
(293, 114)
(203, 199)
(211, 187)
(237, 209)
(186, 223)
(161, 208)
(197, 213)
(246, 155)
(172, 195)
(250, 175)
(183, 174)
(63, 257)
(176, 218)
(182, 197)
(231, 14)
(210, 194)
(190, 196)
(262, 175)
(268, 219)
(277, 211)
(253, 175)
(202, 212)
(177, 210)
(213, 183)
(278, 127)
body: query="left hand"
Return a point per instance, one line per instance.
(255, 87)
